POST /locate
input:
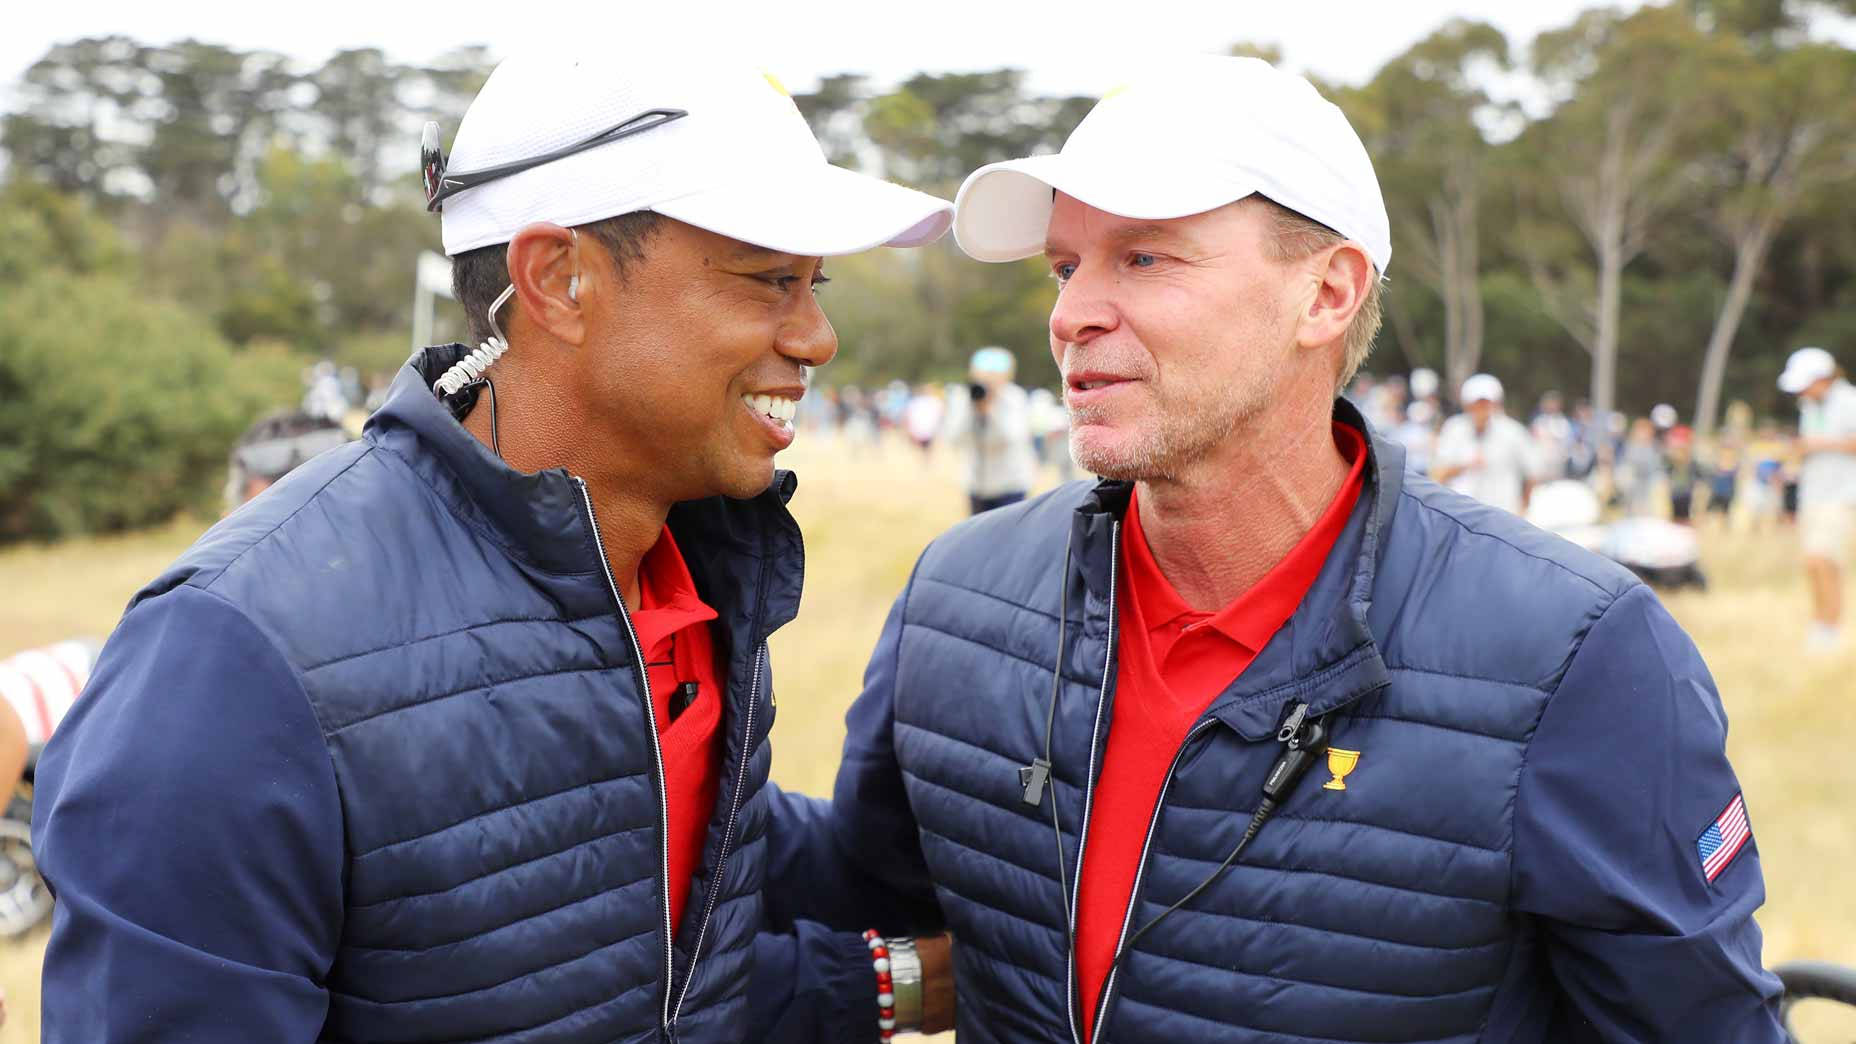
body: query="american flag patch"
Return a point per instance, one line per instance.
(1724, 838)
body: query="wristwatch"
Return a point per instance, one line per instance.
(905, 970)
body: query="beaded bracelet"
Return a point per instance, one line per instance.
(898, 984)
(885, 986)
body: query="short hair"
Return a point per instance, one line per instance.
(477, 276)
(273, 447)
(1296, 236)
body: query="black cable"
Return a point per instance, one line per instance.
(495, 446)
(1303, 740)
(1050, 714)
(1035, 776)
(1264, 809)
(464, 400)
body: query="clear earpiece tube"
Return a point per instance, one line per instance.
(471, 367)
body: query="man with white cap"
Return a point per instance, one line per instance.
(992, 427)
(1262, 739)
(1826, 484)
(459, 732)
(1484, 453)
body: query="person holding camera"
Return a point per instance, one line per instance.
(994, 432)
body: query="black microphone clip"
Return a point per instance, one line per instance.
(1032, 778)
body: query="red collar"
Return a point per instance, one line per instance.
(1254, 616)
(667, 597)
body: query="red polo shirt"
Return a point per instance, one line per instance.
(1173, 661)
(673, 630)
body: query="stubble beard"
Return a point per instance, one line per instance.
(1178, 431)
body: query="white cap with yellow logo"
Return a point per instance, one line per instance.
(574, 139)
(1201, 133)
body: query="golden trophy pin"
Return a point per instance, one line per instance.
(1340, 762)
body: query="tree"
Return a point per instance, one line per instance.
(1787, 128)
(75, 102)
(357, 100)
(216, 113)
(835, 114)
(1612, 154)
(43, 229)
(1246, 49)
(1419, 118)
(120, 409)
(936, 129)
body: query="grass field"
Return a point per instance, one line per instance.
(867, 516)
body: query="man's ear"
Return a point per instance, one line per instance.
(1343, 276)
(544, 261)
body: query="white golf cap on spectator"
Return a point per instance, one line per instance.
(1481, 387)
(1806, 367)
(1199, 134)
(741, 163)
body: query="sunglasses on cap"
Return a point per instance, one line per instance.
(441, 183)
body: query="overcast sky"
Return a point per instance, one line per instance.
(1076, 47)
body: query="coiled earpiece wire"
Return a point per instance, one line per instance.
(466, 376)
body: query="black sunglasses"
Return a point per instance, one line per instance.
(441, 183)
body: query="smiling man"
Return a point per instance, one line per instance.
(1263, 738)
(459, 732)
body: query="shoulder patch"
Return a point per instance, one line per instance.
(1724, 838)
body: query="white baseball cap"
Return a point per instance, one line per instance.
(1193, 137)
(1479, 387)
(740, 161)
(1806, 367)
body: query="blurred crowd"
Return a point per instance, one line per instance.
(1633, 488)
(1636, 489)
(1004, 434)
(1744, 477)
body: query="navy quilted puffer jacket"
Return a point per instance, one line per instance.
(1514, 858)
(373, 762)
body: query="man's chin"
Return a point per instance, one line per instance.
(748, 481)
(1102, 453)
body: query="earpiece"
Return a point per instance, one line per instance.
(573, 281)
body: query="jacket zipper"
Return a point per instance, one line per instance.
(1089, 787)
(1140, 872)
(657, 754)
(728, 835)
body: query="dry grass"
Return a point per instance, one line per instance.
(867, 517)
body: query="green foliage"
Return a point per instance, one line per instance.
(42, 228)
(188, 217)
(118, 409)
(935, 130)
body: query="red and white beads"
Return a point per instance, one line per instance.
(885, 986)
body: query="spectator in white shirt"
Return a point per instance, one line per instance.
(1826, 484)
(994, 430)
(1483, 452)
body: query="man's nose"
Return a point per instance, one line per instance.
(1085, 309)
(806, 336)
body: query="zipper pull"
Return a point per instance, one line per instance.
(1292, 724)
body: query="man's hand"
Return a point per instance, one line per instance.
(937, 955)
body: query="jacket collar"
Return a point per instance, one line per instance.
(743, 554)
(1325, 654)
